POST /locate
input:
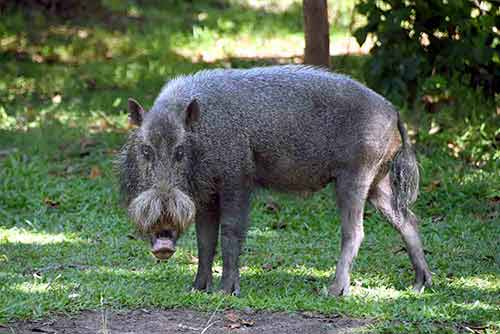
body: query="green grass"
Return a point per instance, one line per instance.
(66, 245)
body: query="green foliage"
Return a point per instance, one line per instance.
(466, 125)
(436, 85)
(415, 40)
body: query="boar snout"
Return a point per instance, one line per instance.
(163, 244)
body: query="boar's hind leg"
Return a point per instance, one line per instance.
(406, 224)
(207, 233)
(234, 222)
(351, 190)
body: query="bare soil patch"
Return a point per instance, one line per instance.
(188, 321)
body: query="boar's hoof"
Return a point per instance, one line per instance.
(338, 289)
(423, 279)
(203, 283)
(231, 286)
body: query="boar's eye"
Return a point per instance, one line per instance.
(147, 152)
(179, 153)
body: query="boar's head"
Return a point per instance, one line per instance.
(154, 169)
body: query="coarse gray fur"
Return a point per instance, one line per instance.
(288, 128)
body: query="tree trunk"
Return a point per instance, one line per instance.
(317, 51)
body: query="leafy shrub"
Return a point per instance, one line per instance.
(416, 39)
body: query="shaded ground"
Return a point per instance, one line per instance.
(187, 321)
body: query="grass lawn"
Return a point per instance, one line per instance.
(67, 246)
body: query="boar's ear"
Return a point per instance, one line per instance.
(192, 114)
(135, 112)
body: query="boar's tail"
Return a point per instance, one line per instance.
(404, 173)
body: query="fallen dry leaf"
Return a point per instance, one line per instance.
(267, 266)
(279, 225)
(233, 321)
(272, 206)
(85, 143)
(247, 323)
(310, 315)
(433, 185)
(51, 203)
(37, 58)
(95, 172)
(231, 316)
(234, 325)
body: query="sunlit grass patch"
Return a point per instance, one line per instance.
(33, 287)
(21, 235)
(490, 283)
(207, 49)
(378, 293)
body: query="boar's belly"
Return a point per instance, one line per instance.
(291, 174)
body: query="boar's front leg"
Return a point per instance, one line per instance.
(234, 223)
(207, 233)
